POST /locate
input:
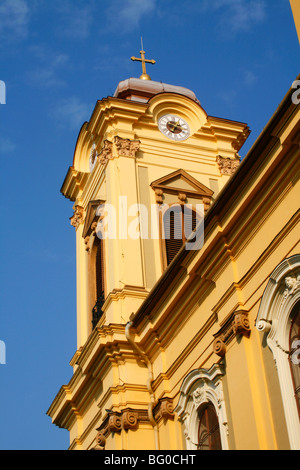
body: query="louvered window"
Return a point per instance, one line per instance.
(179, 222)
(295, 356)
(99, 271)
(209, 437)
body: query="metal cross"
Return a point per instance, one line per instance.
(144, 75)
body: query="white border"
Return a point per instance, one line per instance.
(200, 387)
(273, 318)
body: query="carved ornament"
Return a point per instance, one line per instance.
(159, 196)
(164, 409)
(86, 242)
(292, 283)
(78, 217)
(114, 423)
(127, 419)
(100, 440)
(126, 147)
(227, 166)
(237, 324)
(106, 152)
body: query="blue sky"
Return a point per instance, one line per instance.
(57, 58)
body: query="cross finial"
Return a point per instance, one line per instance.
(144, 75)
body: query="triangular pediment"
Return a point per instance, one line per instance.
(91, 216)
(181, 181)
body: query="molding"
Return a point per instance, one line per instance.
(227, 166)
(167, 184)
(91, 216)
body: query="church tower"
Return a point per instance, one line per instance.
(146, 168)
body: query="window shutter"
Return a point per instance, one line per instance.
(179, 222)
(99, 271)
(173, 232)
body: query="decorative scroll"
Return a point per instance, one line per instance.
(114, 423)
(237, 324)
(100, 440)
(126, 420)
(78, 217)
(129, 420)
(164, 409)
(227, 166)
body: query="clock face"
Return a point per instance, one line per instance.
(174, 127)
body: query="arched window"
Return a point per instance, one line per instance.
(209, 437)
(201, 409)
(295, 354)
(278, 318)
(178, 222)
(97, 271)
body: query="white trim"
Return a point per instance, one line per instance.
(274, 318)
(200, 387)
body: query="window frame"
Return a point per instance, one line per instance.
(274, 320)
(163, 241)
(199, 388)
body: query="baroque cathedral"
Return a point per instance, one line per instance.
(188, 277)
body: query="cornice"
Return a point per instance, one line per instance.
(74, 183)
(111, 109)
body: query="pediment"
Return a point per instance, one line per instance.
(90, 216)
(181, 182)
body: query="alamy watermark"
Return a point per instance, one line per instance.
(2, 92)
(2, 353)
(161, 222)
(296, 94)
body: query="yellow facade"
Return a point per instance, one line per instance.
(202, 329)
(295, 5)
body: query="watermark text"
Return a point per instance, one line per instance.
(2, 92)
(296, 94)
(162, 221)
(2, 352)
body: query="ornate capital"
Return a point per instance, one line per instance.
(106, 152)
(237, 324)
(126, 147)
(78, 217)
(227, 166)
